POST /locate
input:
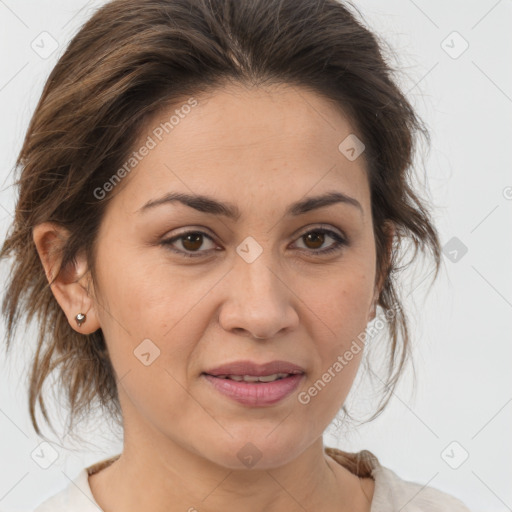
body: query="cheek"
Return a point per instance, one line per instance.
(156, 316)
(337, 303)
(337, 312)
(144, 297)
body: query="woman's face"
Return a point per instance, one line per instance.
(172, 310)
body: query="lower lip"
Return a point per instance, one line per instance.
(256, 394)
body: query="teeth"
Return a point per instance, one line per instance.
(252, 378)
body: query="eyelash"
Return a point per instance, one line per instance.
(340, 242)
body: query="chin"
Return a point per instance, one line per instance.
(255, 452)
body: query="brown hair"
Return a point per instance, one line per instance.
(134, 57)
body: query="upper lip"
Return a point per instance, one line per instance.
(254, 369)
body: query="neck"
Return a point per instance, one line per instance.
(176, 479)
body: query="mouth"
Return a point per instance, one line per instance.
(251, 371)
(253, 378)
(254, 384)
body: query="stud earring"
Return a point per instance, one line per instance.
(80, 318)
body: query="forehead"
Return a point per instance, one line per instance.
(236, 117)
(246, 141)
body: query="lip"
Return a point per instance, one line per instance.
(255, 369)
(256, 394)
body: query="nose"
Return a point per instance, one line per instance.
(258, 301)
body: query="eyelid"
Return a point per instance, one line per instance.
(326, 227)
(187, 231)
(192, 229)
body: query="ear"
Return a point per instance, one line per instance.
(72, 285)
(390, 230)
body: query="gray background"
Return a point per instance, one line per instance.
(461, 329)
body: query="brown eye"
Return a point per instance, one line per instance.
(314, 239)
(191, 243)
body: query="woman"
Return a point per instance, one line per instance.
(212, 200)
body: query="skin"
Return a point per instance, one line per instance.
(260, 149)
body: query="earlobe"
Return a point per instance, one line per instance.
(71, 285)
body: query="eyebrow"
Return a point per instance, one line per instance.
(210, 205)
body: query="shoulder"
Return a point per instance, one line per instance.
(393, 493)
(409, 496)
(77, 495)
(55, 503)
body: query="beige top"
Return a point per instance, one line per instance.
(391, 493)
